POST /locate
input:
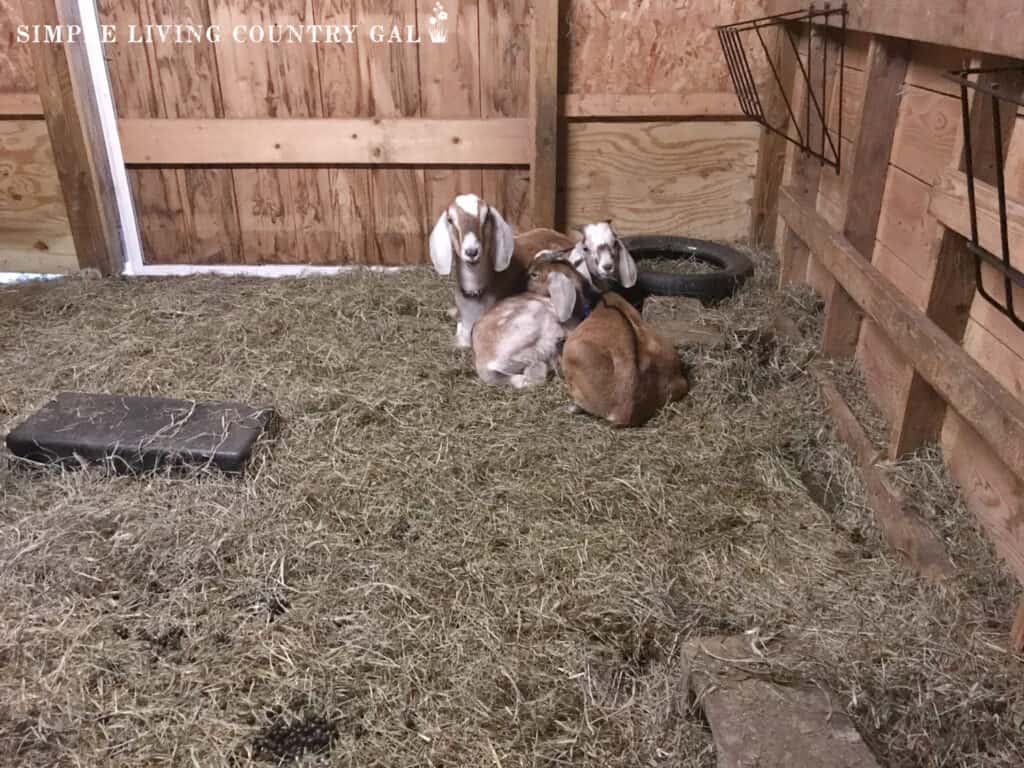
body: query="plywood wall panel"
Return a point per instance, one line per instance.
(621, 46)
(696, 180)
(34, 231)
(16, 71)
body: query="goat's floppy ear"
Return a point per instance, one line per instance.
(627, 267)
(563, 295)
(441, 251)
(504, 241)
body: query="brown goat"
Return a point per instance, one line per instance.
(618, 368)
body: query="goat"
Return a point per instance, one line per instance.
(616, 367)
(492, 262)
(517, 341)
(606, 258)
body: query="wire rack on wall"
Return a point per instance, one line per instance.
(734, 37)
(1010, 275)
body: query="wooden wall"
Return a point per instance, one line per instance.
(651, 168)
(34, 231)
(918, 249)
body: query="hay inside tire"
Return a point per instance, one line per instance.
(730, 268)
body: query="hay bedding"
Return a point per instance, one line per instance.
(427, 571)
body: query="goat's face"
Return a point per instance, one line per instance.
(476, 232)
(606, 258)
(558, 280)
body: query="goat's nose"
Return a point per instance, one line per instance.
(608, 268)
(472, 252)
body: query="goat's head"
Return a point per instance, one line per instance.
(605, 256)
(476, 232)
(557, 279)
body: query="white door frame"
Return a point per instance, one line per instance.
(129, 227)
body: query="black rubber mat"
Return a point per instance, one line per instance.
(134, 434)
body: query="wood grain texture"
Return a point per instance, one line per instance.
(929, 134)
(20, 105)
(157, 194)
(948, 203)
(324, 141)
(72, 118)
(544, 123)
(17, 72)
(905, 531)
(880, 85)
(771, 154)
(905, 226)
(391, 82)
(283, 213)
(450, 87)
(651, 106)
(993, 495)
(615, 46)
(35, 235)
(186, 83)
(697, 179)
(984, 25)
(504, 85)
(955, 376)
(931, 64)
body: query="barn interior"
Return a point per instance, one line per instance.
(418, 569)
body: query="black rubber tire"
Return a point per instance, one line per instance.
(732, 268)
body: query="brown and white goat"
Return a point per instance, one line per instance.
(490, 262)
(617, 367)
(606, 258)
(517, 341)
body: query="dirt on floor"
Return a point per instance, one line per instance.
(421, 570)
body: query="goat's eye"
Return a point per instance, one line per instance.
(586, 249)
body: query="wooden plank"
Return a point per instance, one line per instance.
(389, 76)
(992, 26)
(283, 212)
(350, 191)
(996, 357)
(902, 276)
(157, 194)
(928, 136)
(186, 84)
(662, 178)
(450, 88)
(804, 172)
(905, 226)
(771, 155)
(505, 90)
(991, 491)
(652, 106)
(72, 118)
(905, 531)
(20, 105)
(544, 114)
(932, 63)
(965, 385)
(881, 85)
(403, 141)
(949, 204)
(920, 410)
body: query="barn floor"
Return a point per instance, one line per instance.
(439, 573)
